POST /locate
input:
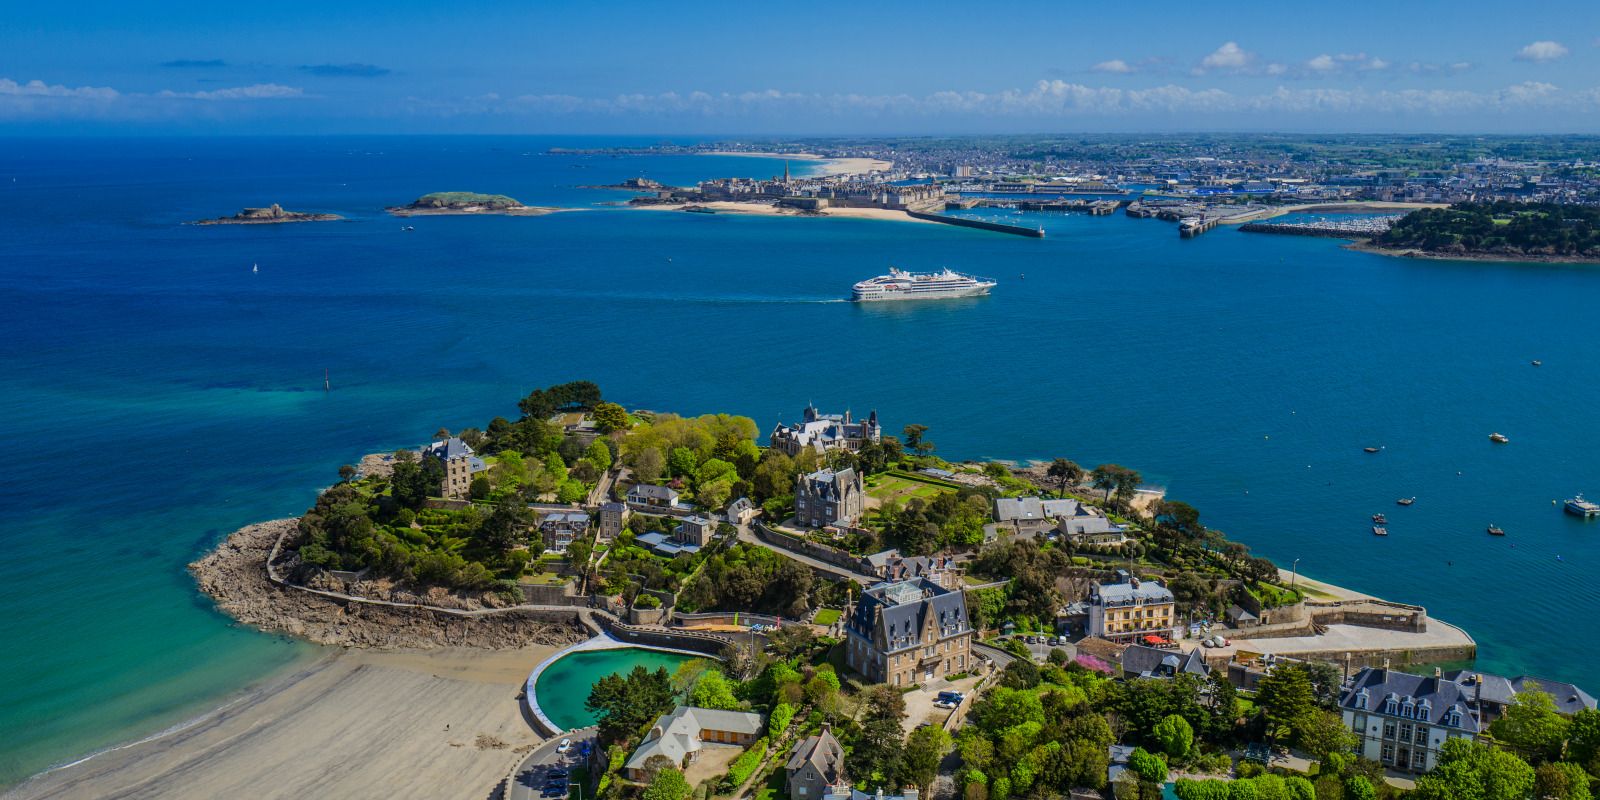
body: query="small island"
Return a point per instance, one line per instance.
(270, 215)
(1498, 231)
(468, 203)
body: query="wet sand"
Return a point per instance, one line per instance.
(436, 724)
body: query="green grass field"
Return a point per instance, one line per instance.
(886, 487)
(826, 616)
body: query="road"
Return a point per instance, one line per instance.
(748, 536)
(529, 779)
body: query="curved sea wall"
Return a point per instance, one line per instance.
(236, 576)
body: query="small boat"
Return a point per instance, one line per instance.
(1379, 530)
(1406, 501)
(409, 228)
(1498, 438)
(1538, 363)
(1496, 531)
(255, 267)
(1380, 519)
(1583, 508)
(1372, 449)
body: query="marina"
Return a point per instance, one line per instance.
(1355, 227)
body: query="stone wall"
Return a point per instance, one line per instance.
(820, 552)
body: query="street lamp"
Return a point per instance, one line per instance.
(1294, 574)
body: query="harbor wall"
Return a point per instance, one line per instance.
(998, 227)
(1298, 229)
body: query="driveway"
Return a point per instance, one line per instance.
(919, 702)
(529, 779)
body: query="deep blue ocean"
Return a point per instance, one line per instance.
(160, 394)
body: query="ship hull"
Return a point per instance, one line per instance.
(942, 294)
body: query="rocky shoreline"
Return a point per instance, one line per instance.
(234, 575)
(1366, 246)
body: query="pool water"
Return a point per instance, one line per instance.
(564, 685)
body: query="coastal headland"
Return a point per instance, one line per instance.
(827, 166)
(269, 215)
(236, 576)
(444, 203)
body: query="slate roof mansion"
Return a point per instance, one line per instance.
(909, 632)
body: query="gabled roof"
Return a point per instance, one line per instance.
(1155, 662)
(899, 609)
(1430, 699)
(677, 734)
(821, 751)
(653, 491)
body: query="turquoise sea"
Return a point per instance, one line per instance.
(160, 394)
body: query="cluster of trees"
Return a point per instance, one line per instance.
(952, 520)
(623, 705)
(1035, 734)
(747, 578)
(1031, 593)
(353, 528)
(574, 396)
(1500, 227)
(713, 457)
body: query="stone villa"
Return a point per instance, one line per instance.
(815, 765)
(908, 632)
(1130, 609)
(677, 737)
(824, 432)
(460, 466)
(828, 497)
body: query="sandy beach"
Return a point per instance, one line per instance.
(833, 166)
(437, 724)
(770, 210)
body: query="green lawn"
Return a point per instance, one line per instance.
(826, 616)
(885, 488)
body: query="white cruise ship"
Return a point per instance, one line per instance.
(902, 285)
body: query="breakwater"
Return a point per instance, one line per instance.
(998, 227)
(1343, 229)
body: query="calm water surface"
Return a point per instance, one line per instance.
(564, 685)
(161, 394)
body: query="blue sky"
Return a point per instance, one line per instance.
(799, 68)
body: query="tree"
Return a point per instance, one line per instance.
(713, 690)
(1532, 726)
(669, 784)
(914, 436)
(791, 640)
(1583, 737)
(1066, 474)
(1115, 478)
(1020, 674)
(610, 417)
(1175, 735)
(1320, 733)
(347, 473)
(623, 705)
(924, 749)
(1561, 781)
(1285, 698)
(504, 528)
(647, 465)
(1357, 787)
(681, 461)
(1148, 766)
(1468, 770)
(876, 759)
(598, 454)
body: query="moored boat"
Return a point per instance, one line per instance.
(1406, 501)
(1379, 530)
(1380, 519)
(1581, 507)
(1498, 438)
(1495, 530)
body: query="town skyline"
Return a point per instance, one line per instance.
(716, 70)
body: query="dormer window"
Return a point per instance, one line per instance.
(1390, 707)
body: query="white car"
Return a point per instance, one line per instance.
(565, 746)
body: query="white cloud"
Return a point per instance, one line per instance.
(1322, 63)
(1277, 69)
(1229, 56)
(11, 88)
(259, 91)
(1115, 66)
(1542, 51)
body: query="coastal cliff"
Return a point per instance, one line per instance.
(267, 216)
(468, 203)
(235, 576)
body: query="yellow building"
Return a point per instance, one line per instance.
(1130, 609)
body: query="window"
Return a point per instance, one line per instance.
(1388, 730)
(1388, 754)
(1405, 731)
(1419, 759)
(1422, 735)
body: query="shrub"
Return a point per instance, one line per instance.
(779, 720)
(745, 765)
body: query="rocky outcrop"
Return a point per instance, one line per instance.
(266, 216)
(235, 576)
(467, 203)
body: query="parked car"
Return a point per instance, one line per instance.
(557, 774)
(554, 791)
(564, 746)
